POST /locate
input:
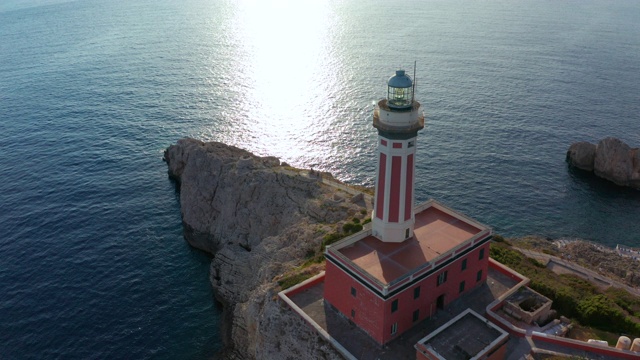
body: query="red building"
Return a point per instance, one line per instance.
(386, 288)
(413, 260)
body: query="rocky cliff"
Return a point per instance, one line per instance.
(259, 219)
(610, 159)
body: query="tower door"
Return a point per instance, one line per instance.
(440, 302)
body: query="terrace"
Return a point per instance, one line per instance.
(307, 300)
(440, 233)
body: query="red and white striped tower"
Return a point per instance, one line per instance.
(398, 119)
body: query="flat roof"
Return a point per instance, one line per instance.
(464, 337)
(438, 230)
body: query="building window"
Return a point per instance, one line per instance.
(464, 264)
(416, 292)
(479, 275)
(394, 328)
(394, 306)
(353, 291)
(406, 233)
(442, 278)
(353, 313)
(416, 315)
(481, 256)
(462, 286)
(411, 144)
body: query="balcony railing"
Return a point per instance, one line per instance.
(416, 125)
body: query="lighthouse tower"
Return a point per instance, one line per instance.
(398, 119)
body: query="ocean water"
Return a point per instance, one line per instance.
(92, 260)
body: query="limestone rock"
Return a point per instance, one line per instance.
(635, 173)
(613, 161)
(610, 159)
(259, 220)
(582, 155)
(358, 199)
(604, 261)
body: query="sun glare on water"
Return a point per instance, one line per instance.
(287, 49)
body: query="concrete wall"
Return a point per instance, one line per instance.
(503, 269)
(498, 352)
(497, 303)
(581, 345)
(425, 355)
(513, 306)
(304, 285)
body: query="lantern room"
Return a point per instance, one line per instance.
(400, 93)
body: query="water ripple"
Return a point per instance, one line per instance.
(92, 260)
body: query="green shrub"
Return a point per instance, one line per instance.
(292, 280)
(599, 311)
(309, 254)
(347, 227)
(351, 228)
(506, 256)
(581, 286)
(316, 259)
(536, 263)
(330, 239)
(575, 297)
(625, 300)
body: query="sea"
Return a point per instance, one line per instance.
(93, 264)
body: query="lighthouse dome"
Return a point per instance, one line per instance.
(400, 80)
(400, 95)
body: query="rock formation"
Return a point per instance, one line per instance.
(581, 155)
(259, 219)
(610, 159)
(604, 261)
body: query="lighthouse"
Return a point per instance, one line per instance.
(413, 260)
(398, 119)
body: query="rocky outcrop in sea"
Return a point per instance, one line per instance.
(610, 159)
(259, 219)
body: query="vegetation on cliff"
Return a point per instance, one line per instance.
(316, 256)
(604, 260)
(614, 310)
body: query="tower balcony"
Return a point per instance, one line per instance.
(398, 121)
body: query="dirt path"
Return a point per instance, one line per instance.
(560, 266)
